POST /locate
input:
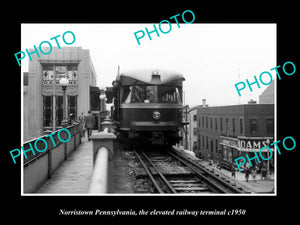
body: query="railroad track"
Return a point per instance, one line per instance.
(198, 180)
(168, 184)
(215, 182)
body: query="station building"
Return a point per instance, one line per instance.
(227, 132)
(43, 96)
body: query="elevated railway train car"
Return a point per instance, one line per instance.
(148, 106)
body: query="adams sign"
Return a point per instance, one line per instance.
(247, 144)
(250, 144)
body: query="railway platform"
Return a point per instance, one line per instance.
(73, 176)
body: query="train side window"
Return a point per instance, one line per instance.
(178, 93)
(125, 94)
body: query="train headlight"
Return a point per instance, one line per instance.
(156, 115)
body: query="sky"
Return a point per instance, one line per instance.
(211, 57)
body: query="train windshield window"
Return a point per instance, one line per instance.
(150, 94)
(143, 94)
(138, 94)
(168, 94)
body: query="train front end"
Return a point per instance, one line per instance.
(148, 107)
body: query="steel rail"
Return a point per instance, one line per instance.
(149, 173)
(171, 188)
(212, 185)
(220, 186)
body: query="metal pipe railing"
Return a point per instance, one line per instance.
(99, 183)
(103, 150)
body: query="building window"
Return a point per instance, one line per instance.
(226, 125)
(203, 122)
(195, 117)
(25, 78)
(48, 74)
(195, 131)
(72, 67)
(72, 107)
(206, 122)
(270, 126)
(241, 126)
(59, 110)
(195, 145)
(59, 71)
(211, 126)
(217, 146)
(72, 74)
(233, 125)
(207, 142)
(47, 111)
(216, 124)
(221, 124)
(253, 126)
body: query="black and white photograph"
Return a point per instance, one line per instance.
(161, 117)
(174, 117)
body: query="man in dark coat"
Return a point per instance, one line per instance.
(247, 172)
(89, 123)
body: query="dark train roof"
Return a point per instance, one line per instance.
(146, 75)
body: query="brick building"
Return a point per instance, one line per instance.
(227, 132)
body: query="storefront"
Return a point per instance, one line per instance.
(249, 145)
(230, 150)
(240, 146)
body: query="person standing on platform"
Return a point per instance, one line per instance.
(89, 123)
(82, 123)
